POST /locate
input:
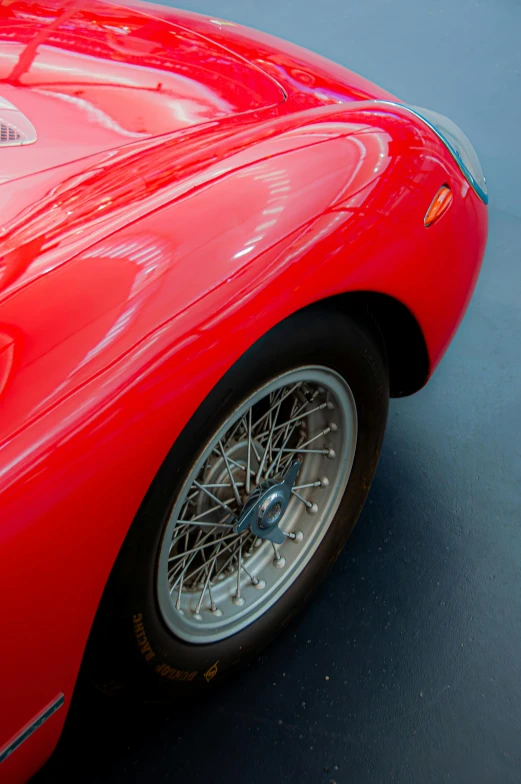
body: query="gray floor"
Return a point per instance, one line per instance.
(418, 627)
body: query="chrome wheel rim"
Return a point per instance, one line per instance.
(213, 582)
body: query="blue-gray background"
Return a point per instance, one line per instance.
(418, 628)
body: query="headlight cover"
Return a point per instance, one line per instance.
(459, 147)
(457, 144)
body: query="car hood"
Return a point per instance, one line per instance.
(92, 77)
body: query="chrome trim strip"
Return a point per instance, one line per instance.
(28, 730)
(479, 191)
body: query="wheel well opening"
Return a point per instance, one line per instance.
(405, 345)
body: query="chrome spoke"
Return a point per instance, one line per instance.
(232, 545)
(211, 495)
(248, 464)
(268, 445)
(318, 483)
(300, 417)
(231, 435)
(299, 449)
(276, 463)
(310, 506)
(324, 432)
(223, 484)
(254, 580)
(179, 573)
(227, 563)
(208, 511)
(198, 607)
(251, 472)
(232, 478)
(179, 593)
(198, 548)
(238, 598)
(201, 524)
(283, 397)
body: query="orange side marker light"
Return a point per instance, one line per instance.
(439, 206)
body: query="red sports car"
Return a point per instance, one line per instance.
(220, 255)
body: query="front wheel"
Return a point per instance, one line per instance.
(250, 509)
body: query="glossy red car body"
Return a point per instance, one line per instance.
(191, 181)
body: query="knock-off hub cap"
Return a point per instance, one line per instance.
(266, 506)
(271, 509)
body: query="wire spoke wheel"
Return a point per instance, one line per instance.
(213, 582)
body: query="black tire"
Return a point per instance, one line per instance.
(137, 650)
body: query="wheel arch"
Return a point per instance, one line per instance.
(406, 351)
(405, 346)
